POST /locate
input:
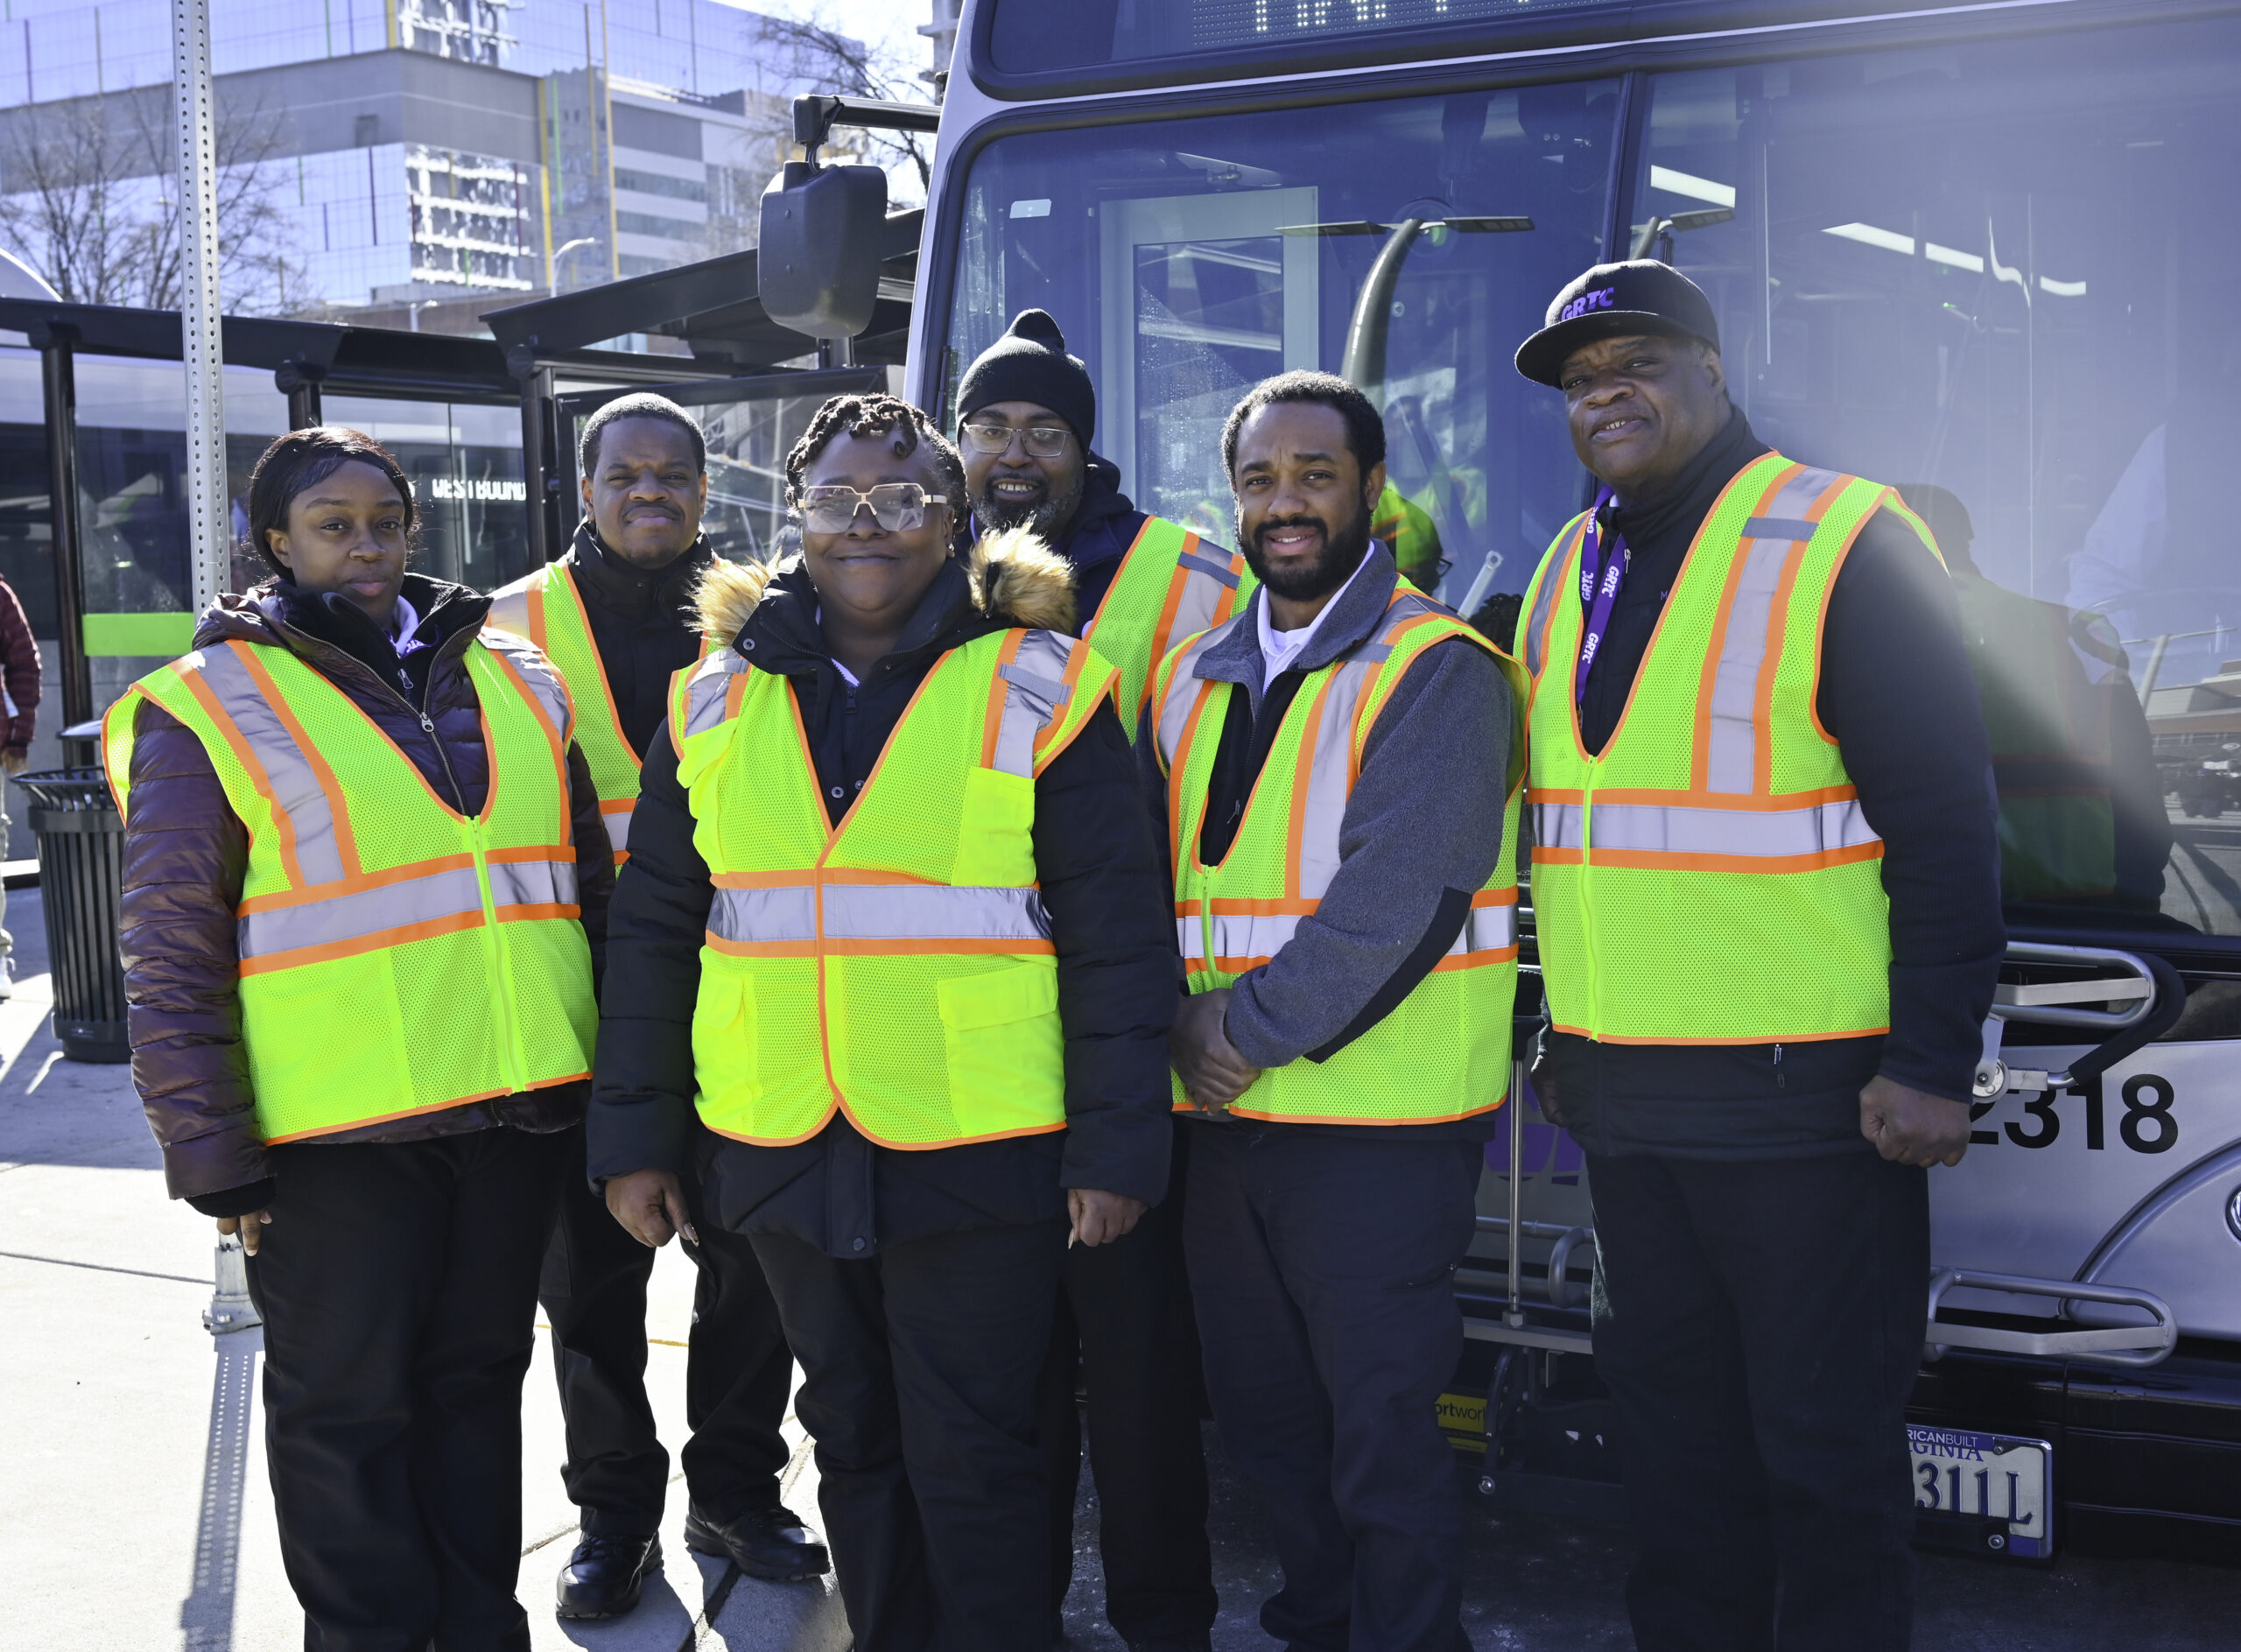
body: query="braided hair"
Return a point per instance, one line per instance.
(877, 415)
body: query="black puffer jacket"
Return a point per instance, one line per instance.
(186, 852)
(1097, 865)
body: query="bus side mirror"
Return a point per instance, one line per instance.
(818, 260)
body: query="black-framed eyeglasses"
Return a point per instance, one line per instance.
(1044, 441)
(895, 505)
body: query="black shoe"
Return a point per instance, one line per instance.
(771, 1543)
(1175, 1643)
(605, 1576)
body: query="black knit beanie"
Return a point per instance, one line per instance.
(1030, 363)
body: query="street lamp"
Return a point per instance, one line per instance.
(562, 251)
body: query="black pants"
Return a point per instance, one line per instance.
(1322, 1269)
(1124, 1321)
(1759, 1325)
(398, 1286)
(737, 1371)
(919, 1368)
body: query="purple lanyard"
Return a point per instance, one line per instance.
(1602, 571)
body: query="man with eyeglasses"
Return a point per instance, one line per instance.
(1026, 415)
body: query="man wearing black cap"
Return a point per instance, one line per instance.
(1766, 896)
(1026, 415)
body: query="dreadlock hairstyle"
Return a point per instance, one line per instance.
(876, 416)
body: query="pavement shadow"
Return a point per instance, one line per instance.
(206, 1617)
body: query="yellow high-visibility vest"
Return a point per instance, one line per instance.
(1170, 585)
(397, 957)
(545, 607)
(1709, 878)
(897, 968)
(1444, 1051)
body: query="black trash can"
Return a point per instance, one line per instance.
(81, 889)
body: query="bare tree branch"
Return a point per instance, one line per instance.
(815, 51)
(90, 198)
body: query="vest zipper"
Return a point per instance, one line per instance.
(1781, 1078)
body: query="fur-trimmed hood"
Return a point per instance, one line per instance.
(1011, 576)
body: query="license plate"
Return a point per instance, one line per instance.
(1985, 1492)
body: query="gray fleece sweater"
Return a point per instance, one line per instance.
(1422, 830)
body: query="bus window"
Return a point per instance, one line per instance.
(1995, 275)
(1409, 244)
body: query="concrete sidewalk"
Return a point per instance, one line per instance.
(138, 1513)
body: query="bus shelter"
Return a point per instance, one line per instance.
(93, 532)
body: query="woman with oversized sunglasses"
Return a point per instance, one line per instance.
(890, 850)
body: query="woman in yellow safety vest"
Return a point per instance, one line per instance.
(891, 955)
(364, 877)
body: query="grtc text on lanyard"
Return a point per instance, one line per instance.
(1602, 571)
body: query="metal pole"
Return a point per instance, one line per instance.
(203, 351)
(58, 380)
(1514, 1315)
(537, 468)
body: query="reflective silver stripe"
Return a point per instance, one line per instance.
(1035, 687)
(1558, 826)
(706, 689)
(536, 671)
(1214, 569)
(295, 783)
(1731, 755)
(1552, 577)
(764, 915)
(933, 912)
(1329, 779)
(928, 912)
(1489, 929)
(509, 607)
(1182, 690)
(359, 913)
(618, 829)
(1237, 934)
(1655, 828)
(1663, 829)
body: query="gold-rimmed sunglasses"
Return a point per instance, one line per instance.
(896, 506)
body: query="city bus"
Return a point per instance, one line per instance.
(1981, 252)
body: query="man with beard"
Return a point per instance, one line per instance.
(1123, 1326)
(1027, 413)
(1337, 771)
(615, 616)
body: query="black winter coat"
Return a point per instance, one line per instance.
(644, 622)
(1098, 868)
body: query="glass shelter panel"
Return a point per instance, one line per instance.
(1409, 244)
(1996, 277)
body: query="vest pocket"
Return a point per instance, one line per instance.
(1000, 1034)
(726, 1055)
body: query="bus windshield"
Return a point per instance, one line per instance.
(2000, 277)
(1409, 244)
(1997, 275)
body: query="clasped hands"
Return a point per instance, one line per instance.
(1212, 1072)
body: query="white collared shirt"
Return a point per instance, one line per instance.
(1279, 649)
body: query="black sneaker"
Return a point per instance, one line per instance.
(604, 1578)
(771, 1543)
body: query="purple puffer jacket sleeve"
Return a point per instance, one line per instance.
(186, 854)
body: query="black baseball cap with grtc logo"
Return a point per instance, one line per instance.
(1612, 301)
